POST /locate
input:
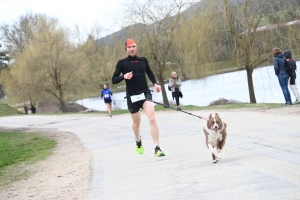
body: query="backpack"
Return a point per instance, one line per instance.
(288, 66)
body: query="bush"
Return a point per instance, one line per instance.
(223, 101)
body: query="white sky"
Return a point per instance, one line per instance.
(84, 13)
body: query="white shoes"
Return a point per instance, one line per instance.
(297, 101)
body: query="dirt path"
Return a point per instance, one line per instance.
(63, 175)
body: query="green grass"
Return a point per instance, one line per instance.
(237, 106)
(21, 148)
(186, 107)
(6, 110)
(114, 112)
(226, 107)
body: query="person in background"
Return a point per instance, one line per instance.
(292, 75)
(134, 70)
(33, 108)
(106, 94)
(25, 109)
(175, 84)
(282, 75)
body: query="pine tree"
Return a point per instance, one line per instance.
(3, 59)
(3, 65)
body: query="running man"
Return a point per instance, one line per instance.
(134, 70)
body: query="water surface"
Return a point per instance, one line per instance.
(201, 92)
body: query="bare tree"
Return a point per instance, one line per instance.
(158, 22)
(21, 33)
(99, 62)
(49, 64)
(198, 45)
(249, 46)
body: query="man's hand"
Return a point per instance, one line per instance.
(128, 75)
(157, 88)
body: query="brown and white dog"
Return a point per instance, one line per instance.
(215, 134)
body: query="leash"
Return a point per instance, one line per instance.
(172, 108)
(176, 109)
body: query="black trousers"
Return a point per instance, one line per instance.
(176, 95)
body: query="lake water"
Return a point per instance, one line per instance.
(201, 92)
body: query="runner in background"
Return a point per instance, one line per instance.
(106, 94)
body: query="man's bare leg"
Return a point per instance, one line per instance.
(154, 130)
(136, 122)
(136, 119)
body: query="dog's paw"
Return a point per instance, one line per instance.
(214, 161)
(218, 158)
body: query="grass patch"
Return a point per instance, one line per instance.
(237, 106)
(118, 112)
(226, 107)
(186, 107)
(21, 148)
(158, 107)
(114, 112)
(6, 110)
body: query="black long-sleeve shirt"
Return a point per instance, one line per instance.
(139, 67)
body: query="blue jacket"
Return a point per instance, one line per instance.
(106, 93)
(279, 64)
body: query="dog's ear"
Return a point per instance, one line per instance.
(209, 120)
(217, 117)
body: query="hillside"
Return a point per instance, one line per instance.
(6, 110)
(197, 8)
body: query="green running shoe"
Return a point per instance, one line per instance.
(158, 152)
(139, 148)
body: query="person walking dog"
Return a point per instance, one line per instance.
(134, 70)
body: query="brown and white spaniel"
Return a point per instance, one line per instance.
(215, 134)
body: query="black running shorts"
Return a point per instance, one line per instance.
(107, 101)
(136, 106)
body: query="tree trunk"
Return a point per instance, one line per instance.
(63, 106)
(163, 91)
(250, 84)
(159, 75)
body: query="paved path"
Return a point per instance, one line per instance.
(261, 159)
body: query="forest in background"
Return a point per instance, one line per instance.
(193, 39)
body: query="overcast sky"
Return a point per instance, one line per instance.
(85, 13)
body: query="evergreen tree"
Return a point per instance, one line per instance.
(3, 65)
(3, 59)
